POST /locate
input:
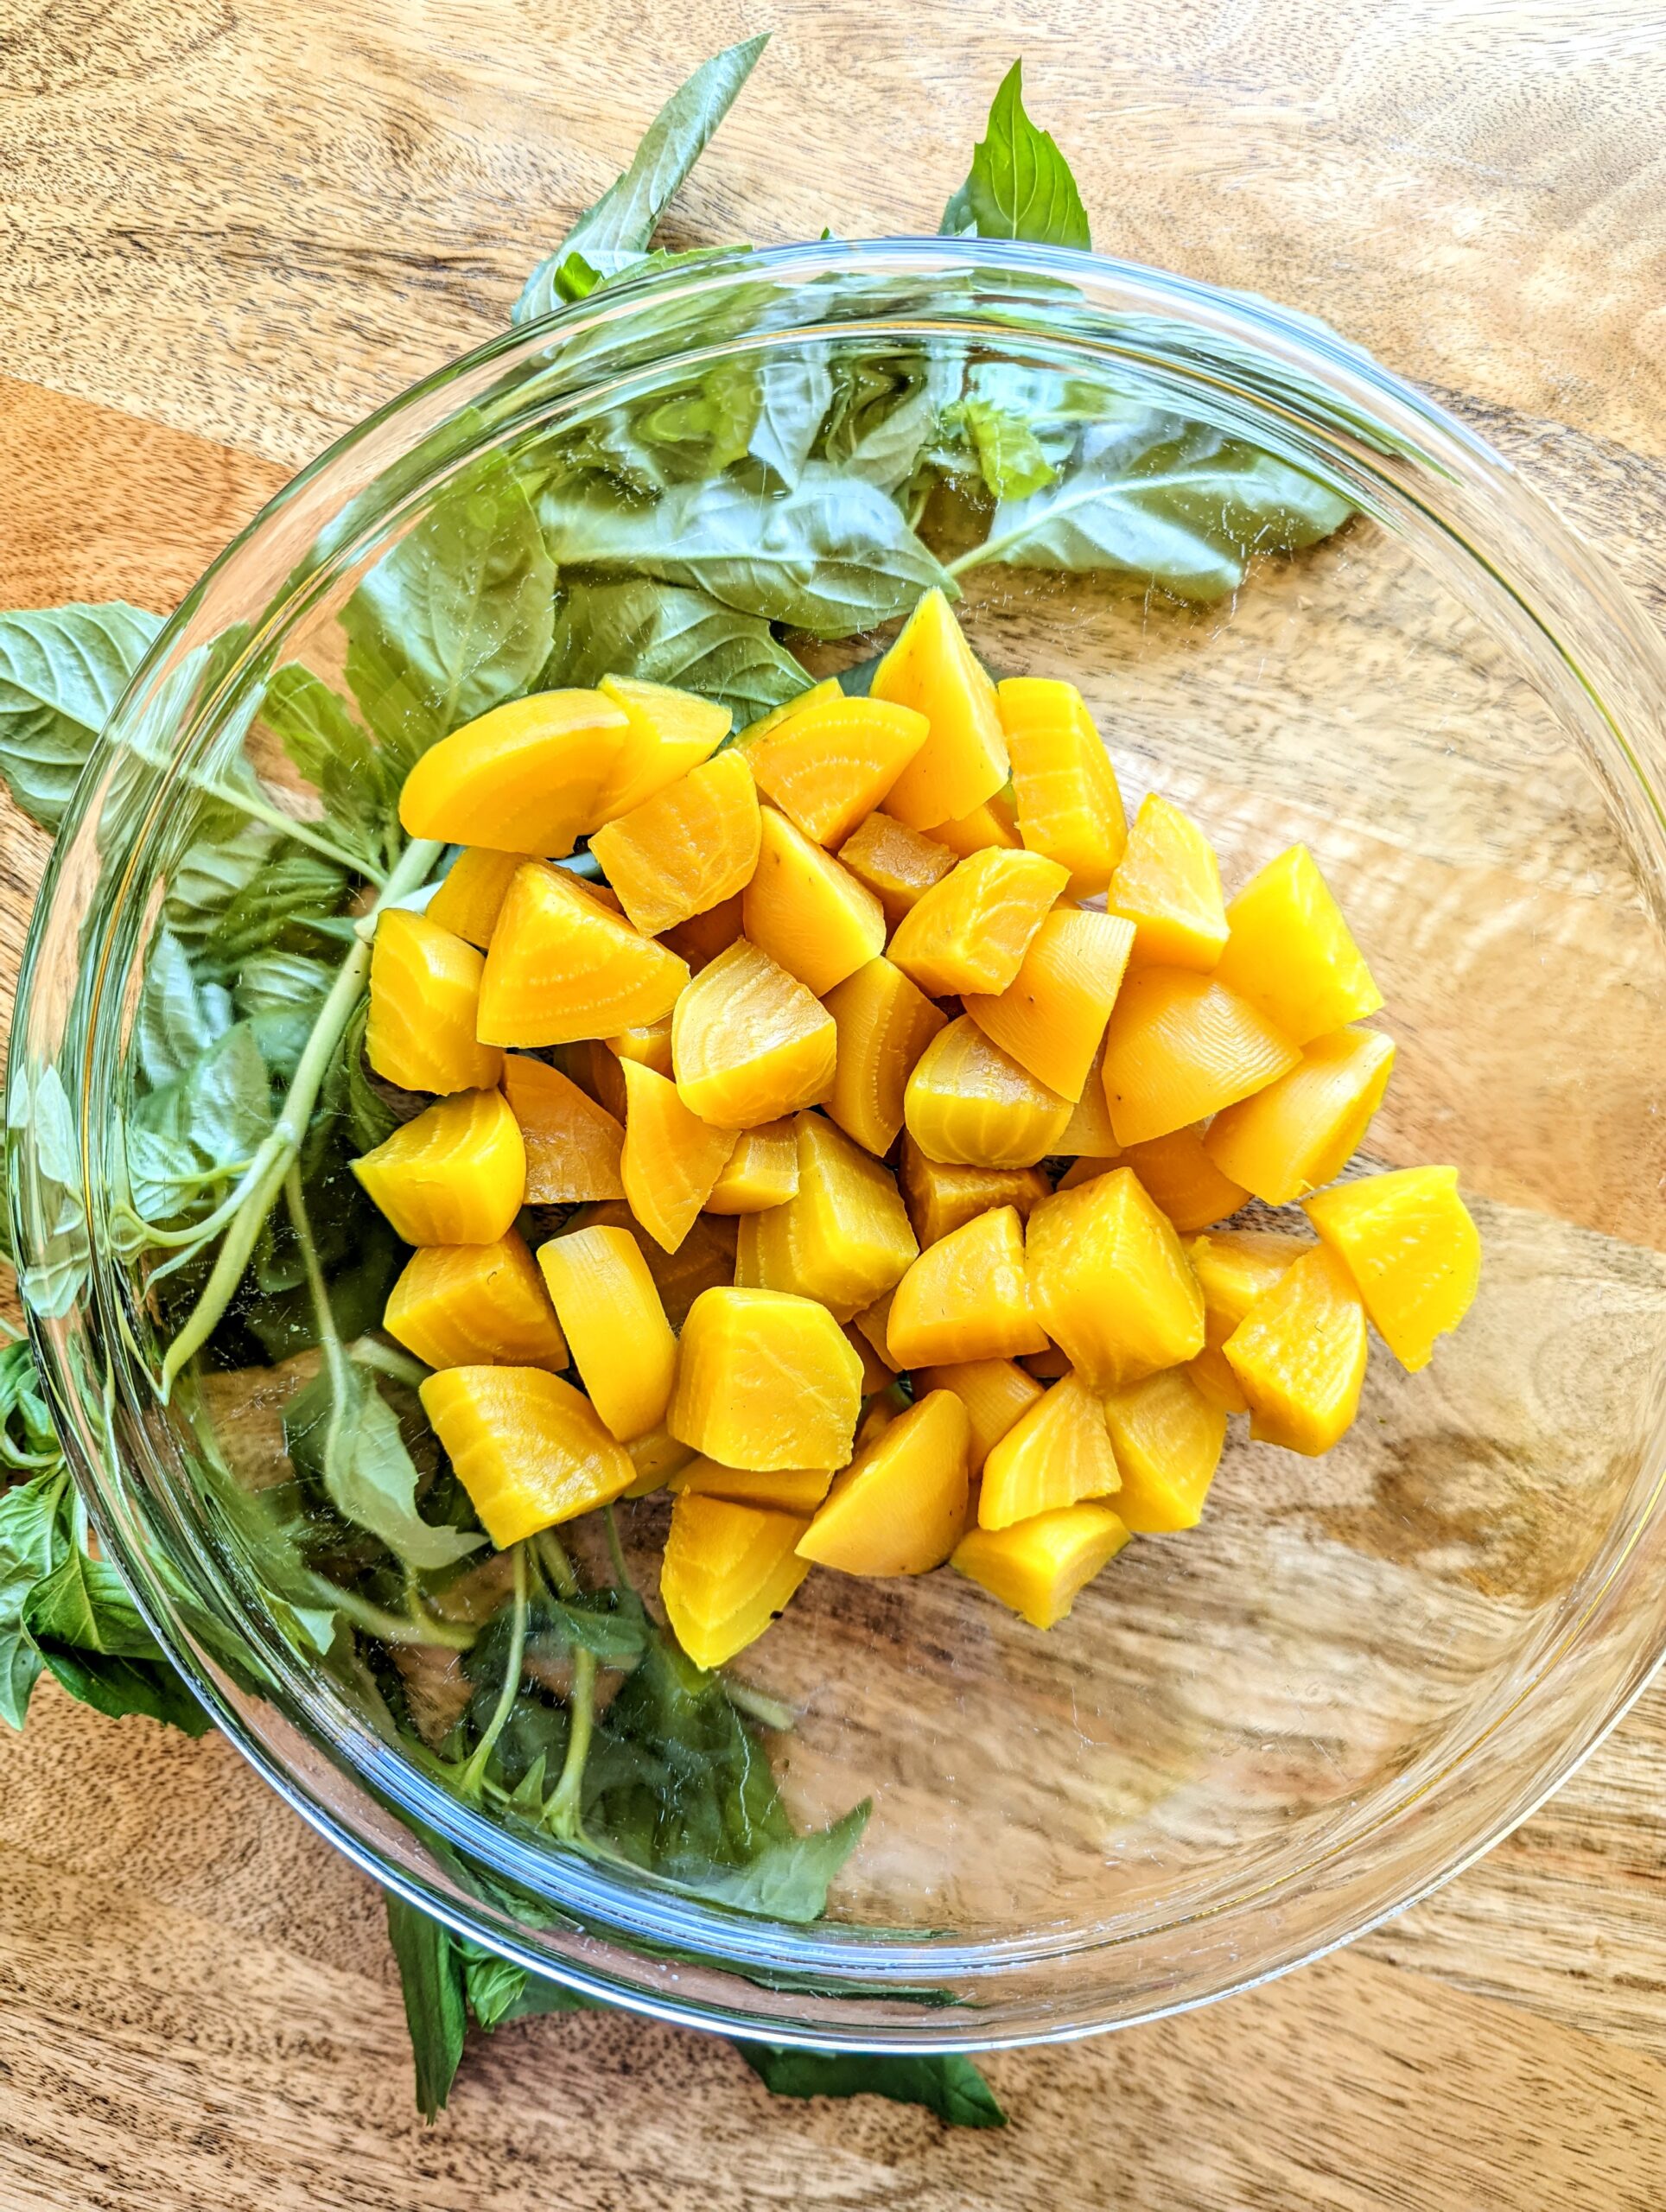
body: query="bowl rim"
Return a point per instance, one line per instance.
(1441, 469)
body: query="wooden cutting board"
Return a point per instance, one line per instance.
(229, 231)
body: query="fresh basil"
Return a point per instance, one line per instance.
(341, 1431)
(498, 1990)
(38, 1106)
(664, 635)
(1010, 457)
(62, 669)
(83, 1602)
(795, 391)
(951, 2086)
(339, 758)
(608, 237)
(201, 1129)
(1021, 185)
(431, 1978)
(885, 414)
(178, 1018)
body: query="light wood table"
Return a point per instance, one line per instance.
(231, 229)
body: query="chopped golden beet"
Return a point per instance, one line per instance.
(843, 1236)
(1408, 1240)
(1291, 954)
(1233, 1267)
(941, 1197)
(475, 1306)
(456, 1175)
(690, 847)
(656, 1457)
(829, 688)
(1180, 1046)
(831, 762)
(561, 967)
(728, 1571)
(1301, 1131)
(527, 776)
(1111, 1284)
(669, 734)
(1039, 1567)
(1168, 884)
(884, 1024)
(649, 1042)
(872, 1325)
(967, 1104)
(966, 1297)
(900, 1506)
(765, 1380)
(808, 913)
(994, 1393)
(1168, 1438)
(991, 827)
(573, 1146)
(896, 863)
(671, 1158)
(1068, 804)
(529, 1449)
(1184, 1180)
(749, 1042)
(782, 1490)
(1051, 1018)
(1298, 1355)
(963, 762)
(762, 1170)
(621, 1343)
(1088, 1132)
(971, 931)
(1055, 1454)
(424, 999)
(471, 897)
(703, 1260)
(703, 937)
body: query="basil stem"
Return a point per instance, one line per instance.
(470, 1780)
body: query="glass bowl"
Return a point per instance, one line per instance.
(1249, 1742)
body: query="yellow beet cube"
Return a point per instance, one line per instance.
(1411, 1247)
(786, 1490)
(728, 1571)
(991, 827)
(762, 1170)
(1180, 1046)
(1068, 802)
(574, 1146)
(1233, 1267)
(829, 688)
(963, 762)
(900, 1506)
(966, 1297)
(1180, 1176)
(656, 1457)
(1056, 1453)
(843, 1237)
(1298, 1355)
(765, 1380)
(471, 897)
(968, 1104)
(1111, 1284)
(1168, 1438)
(561, 967)
(1291, 953)
(994, 1393)
(1168, 886)
(690, 847)
(704, 1260)
(1039, 1567)
(942, 1197)
(749, 1042)
(703, 937)
(807, 911)
(529, 1449)
(671, 1158)
(1088, 1133)
(832, 760)
(526, 777)
(1301, 1131)
(621, 1343)
(456, 1175)
(884, 1024)
(1051, 1018)
(649, 1042)
(898, 864)
(971, 931)
(475, 1306)
(424, 1001)
(668, 733)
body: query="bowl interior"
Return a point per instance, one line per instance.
(1229, 1711)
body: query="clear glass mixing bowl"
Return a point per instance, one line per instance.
(1249, 1742)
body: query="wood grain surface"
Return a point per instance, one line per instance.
(228, 228)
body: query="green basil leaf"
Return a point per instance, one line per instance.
(280, 994)
(832, 557)
(51, 1282)
(178, 1018)
(454, 619)
(617, 1635)
(294, 896)
(500, 1991)
(206, 1125)
(609, 235)
(431, 1978)
(886, 414)
(959, 216)
(213, 869)
(794, 393)
(666, 635)
(119, 1687)
(1009, 454)
(83, 1602)
(950, 2087)
(1021, 185)
(28, 1438)
(62, 669)
(349, 1439)
(20, 1668)
(788, 1878)
(337, 756)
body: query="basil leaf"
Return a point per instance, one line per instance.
(20, 1668)
(950, 2087)
(119, 1687)
(178, 1018)
(202, 1127)
(500, 1991)
(794, 393)
(431, 1978)
(337, 756)
(788, 1878)
(831, 556)
(213, 869)
(62, 669)
(886, 414)
(295, 895)
(959, 217)
(454, 619)
(347, 1436)
(50, 1283)
(616, 1634)
(1009, 454)
(1021, 185)
(665, 635)
(280, 995)
(607, 236)
(83, 1602)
